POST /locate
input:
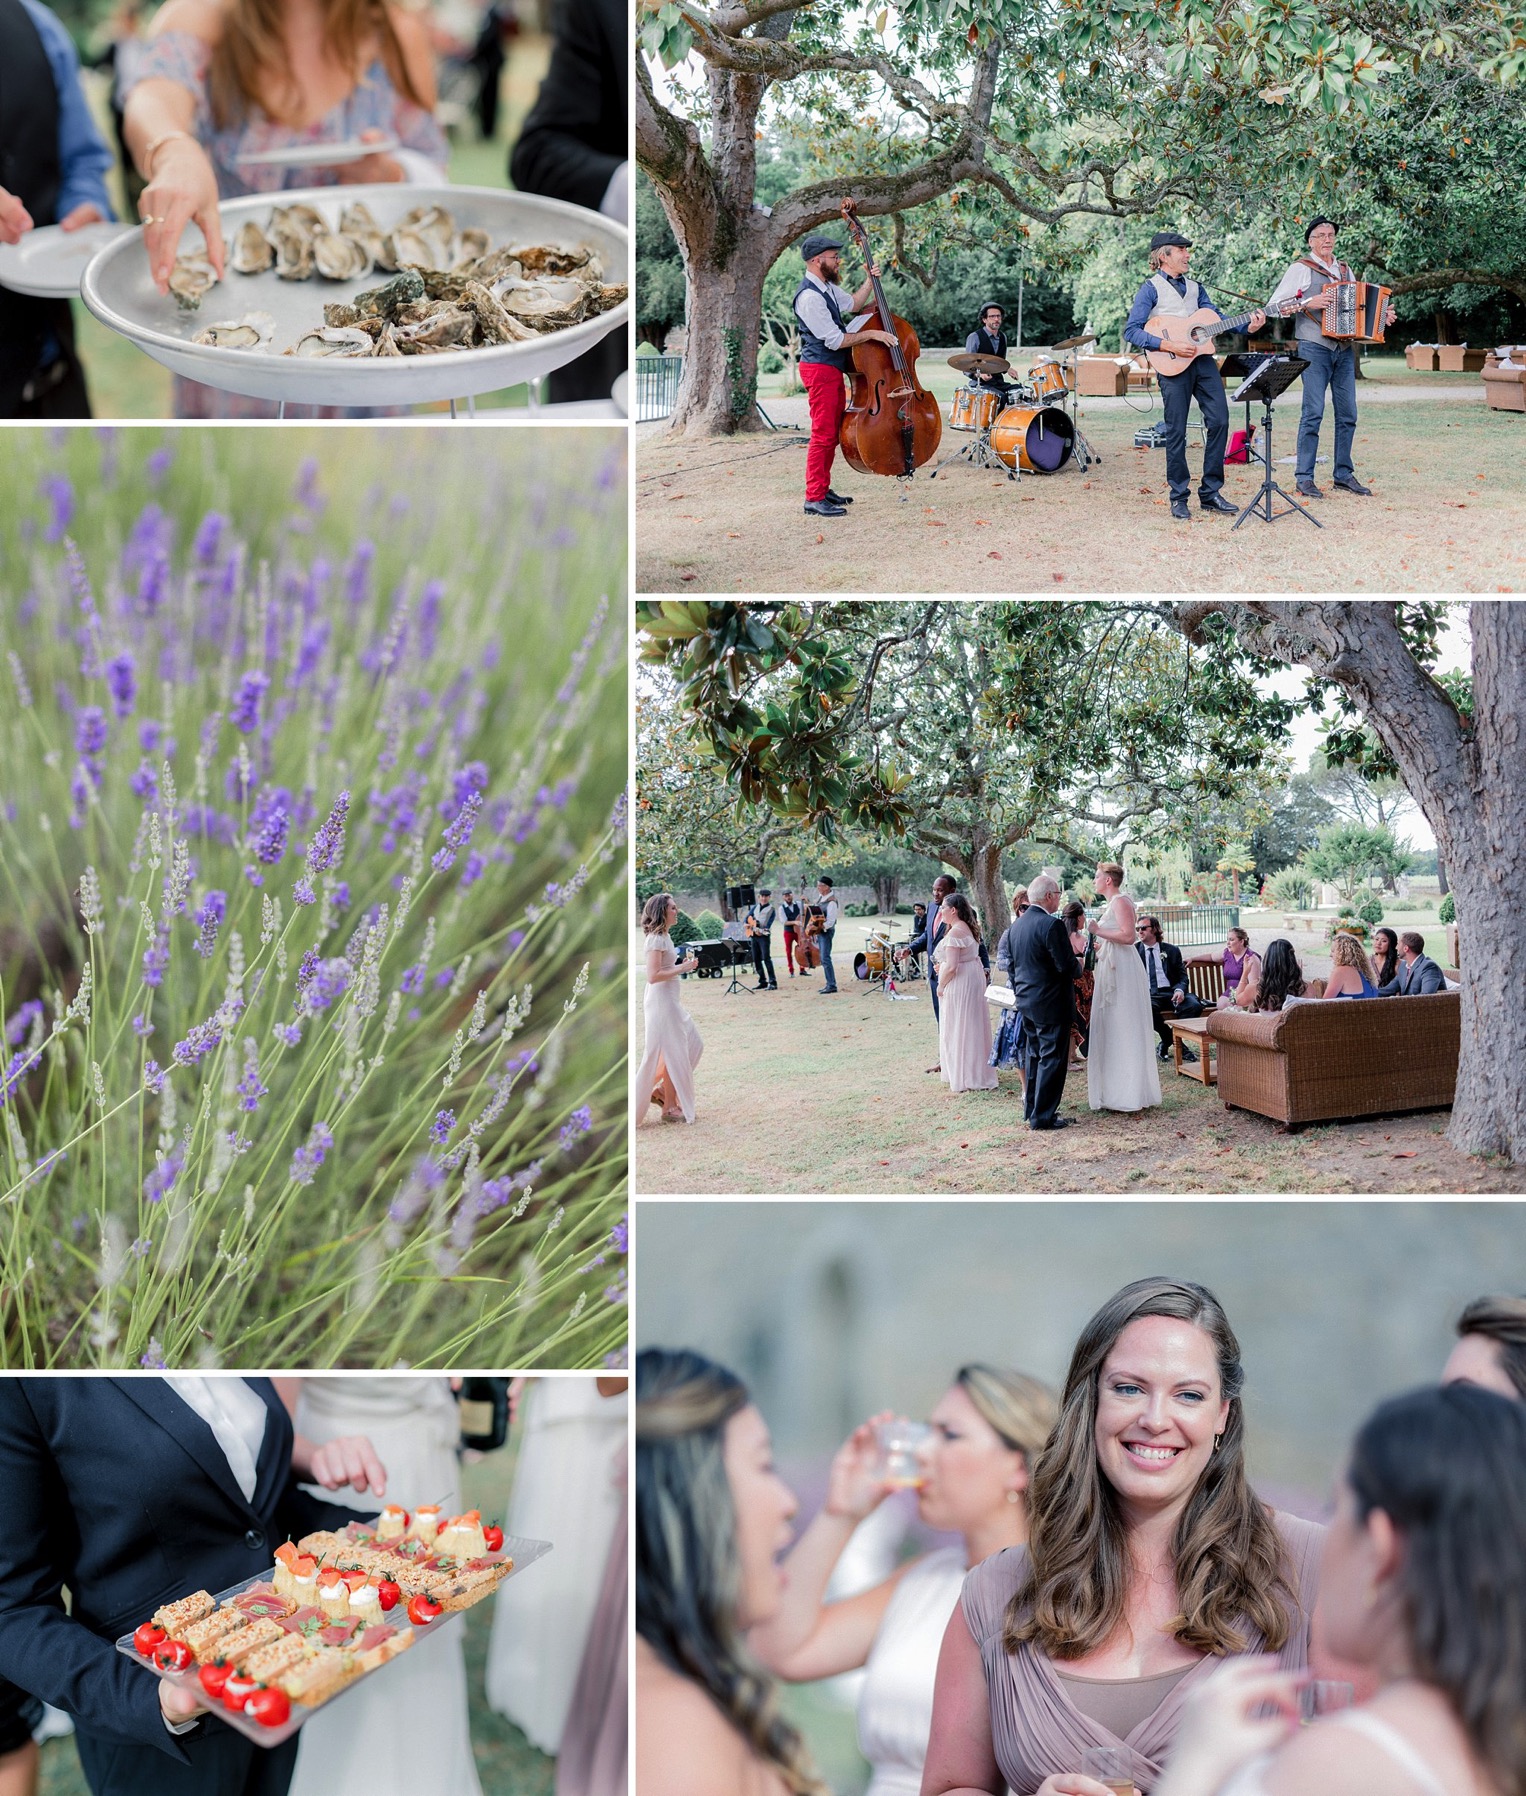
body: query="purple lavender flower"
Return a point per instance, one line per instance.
(444, 1122)
(579, 1123)
(308, 1158)
(161, 1181)
(314, 642)
(516, 939)
(142, 1027)
(156, 959)
(19, 1026)
(58, 490)
(202, 1039)
(620, 1234)
(305, 492)
(559, 896)
(397, 811)
(326, 849)
(20, 1065)
(153, 1077)
(209, 536)
(458, 834)
(89, 730)
(158, 465)
(270, 821)
(429, 617)
(471, 778)
(522, 1062)
(472, 869)
(141, 1247)
(340, 897)
(357, 574)
(306, 967)
(619, 820)
(245, 714)
(122, 683)
(150, 737)
(329, 981)
(302, 892)
(208, 919)
(153, 1357)
(250, 1089)
(153, 581)
(412, 979)
(290, 1033)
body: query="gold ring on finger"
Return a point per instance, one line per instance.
(150, 220)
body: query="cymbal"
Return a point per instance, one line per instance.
(980, 364)
(1076, 342)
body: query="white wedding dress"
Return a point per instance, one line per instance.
(1121, 1073)
(895, 1710)
(671, 1038)
(406, 1731)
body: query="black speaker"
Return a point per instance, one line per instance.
(739, 897)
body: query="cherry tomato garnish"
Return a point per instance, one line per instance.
(422, 1610)
(493, 1535)
(237, 1690)
(148, 1637)
(354, 1579)
(269, 1707)
(388, 1594)
(213, 1677)
(173, 1655)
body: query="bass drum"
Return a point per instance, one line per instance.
(1038, 439)
(974, 408)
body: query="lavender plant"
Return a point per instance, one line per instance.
(312, 868)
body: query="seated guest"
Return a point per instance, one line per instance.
(1241, 963)
(1280, 978)
(1167, 974)
(1080, 1035)
(1385, 956)
(1491, 1347)
(1418, 974)
(1350, 969)
(1423, 1585)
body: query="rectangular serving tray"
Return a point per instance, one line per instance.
(516, 1546)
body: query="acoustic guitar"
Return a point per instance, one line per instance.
(1188, 338)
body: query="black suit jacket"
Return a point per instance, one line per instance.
(117, 1490)
(1044, 966)
(1171, 959)
(575, 136)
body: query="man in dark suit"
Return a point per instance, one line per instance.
(1043, 973)
(1167, 974)
(573, 147)
(1418, 974)
(131, 1494)
(762, 913)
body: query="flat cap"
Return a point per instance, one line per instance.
(817, 245)
(1170, 240)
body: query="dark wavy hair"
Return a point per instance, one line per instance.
(688, 1576)
(1281, 975)
(1502, 1320)
(964, 911)
(1232, 1574)
(1385, 960)
(1447, 1465)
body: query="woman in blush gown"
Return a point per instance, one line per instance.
(964, 1022)
(1120, 1057)
(987, 1428)
(673, 1044)
(407, 1730)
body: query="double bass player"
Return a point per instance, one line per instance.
(825, 313)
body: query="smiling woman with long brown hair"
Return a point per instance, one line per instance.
(1149, 1559)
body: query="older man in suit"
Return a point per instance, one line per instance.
(131, 1493)
(1418, 974)
(1170, 995)
(1044, 970)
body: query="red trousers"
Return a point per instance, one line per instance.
(829, 400)
(791, 942)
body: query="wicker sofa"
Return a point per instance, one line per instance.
(1320, 1062)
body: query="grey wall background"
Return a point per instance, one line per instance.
(833, 1310)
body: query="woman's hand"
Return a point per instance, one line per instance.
(183, 188)
(1221, 1727)
(15, 220)
(349, 1460)
(854, 1486)
(1071, 1783)
(370, 168)
(85, 213)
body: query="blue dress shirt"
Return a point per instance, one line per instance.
(83, 158)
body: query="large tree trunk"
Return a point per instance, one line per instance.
(723, 303)
(887, 888)
(988, 887)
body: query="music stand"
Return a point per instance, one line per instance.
(1273, 375)
(1240, 365)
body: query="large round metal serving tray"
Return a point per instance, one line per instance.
(118, 289)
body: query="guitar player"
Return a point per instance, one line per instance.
(1332, 364)
(1171, 291)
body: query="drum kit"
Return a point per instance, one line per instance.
(885, 961)
(1032, 427)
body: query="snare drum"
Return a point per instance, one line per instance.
(975, 408)
(1050, 380)
(1036, 438)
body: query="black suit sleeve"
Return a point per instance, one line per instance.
(1176, 970)
(41, 1648)
(575, 136)
(1057, 941)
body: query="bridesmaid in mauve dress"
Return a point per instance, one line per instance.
(964, 1022)
(592, 1761)
(1088, 1636)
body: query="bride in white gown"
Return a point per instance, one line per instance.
(1120, 1058)
(673, 1044)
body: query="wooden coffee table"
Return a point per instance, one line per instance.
(1193, 1029)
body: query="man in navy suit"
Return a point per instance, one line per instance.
(1167, 975)
(131, 1493)
(1418, 974)
(1044, 971)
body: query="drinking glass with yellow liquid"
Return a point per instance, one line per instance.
(900, 1444)
(1110, 1765)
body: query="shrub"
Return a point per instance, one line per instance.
(288, 831)
(707, 927)
(1447, 912)
(1291, 888)
(684, 930)
(1370, 910)
(770, 359)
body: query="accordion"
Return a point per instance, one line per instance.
(1353, 311)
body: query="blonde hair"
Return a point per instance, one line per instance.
(1347, 951)
(1157, 260)
(1113, 871)
(250, 64)
(1022, 1411)
(1020, 896)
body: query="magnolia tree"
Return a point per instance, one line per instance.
(1049, 113)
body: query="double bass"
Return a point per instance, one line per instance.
(892, 424)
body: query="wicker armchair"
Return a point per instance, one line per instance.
(1205, 979)
(1328, 1062)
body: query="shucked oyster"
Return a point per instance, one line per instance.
(294, 253)
(546, 305)
(252, 331)
(472, 244)
(357, 217)
(494, 324)
(333, 341)
(190, 278)
(306, 220)
(439, 327)
(434, 224)
(495, 265)
(383, 301)
(252, 251)
(411, 249)
(340, 257)
(551, 258)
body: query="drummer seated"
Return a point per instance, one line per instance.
(987, 339)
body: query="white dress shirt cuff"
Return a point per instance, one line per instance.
(616, 202)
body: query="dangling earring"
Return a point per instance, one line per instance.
(1216, 1439)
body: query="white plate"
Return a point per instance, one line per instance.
(49, 262)
(621, 392)
(119, 291)
(316, 155)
